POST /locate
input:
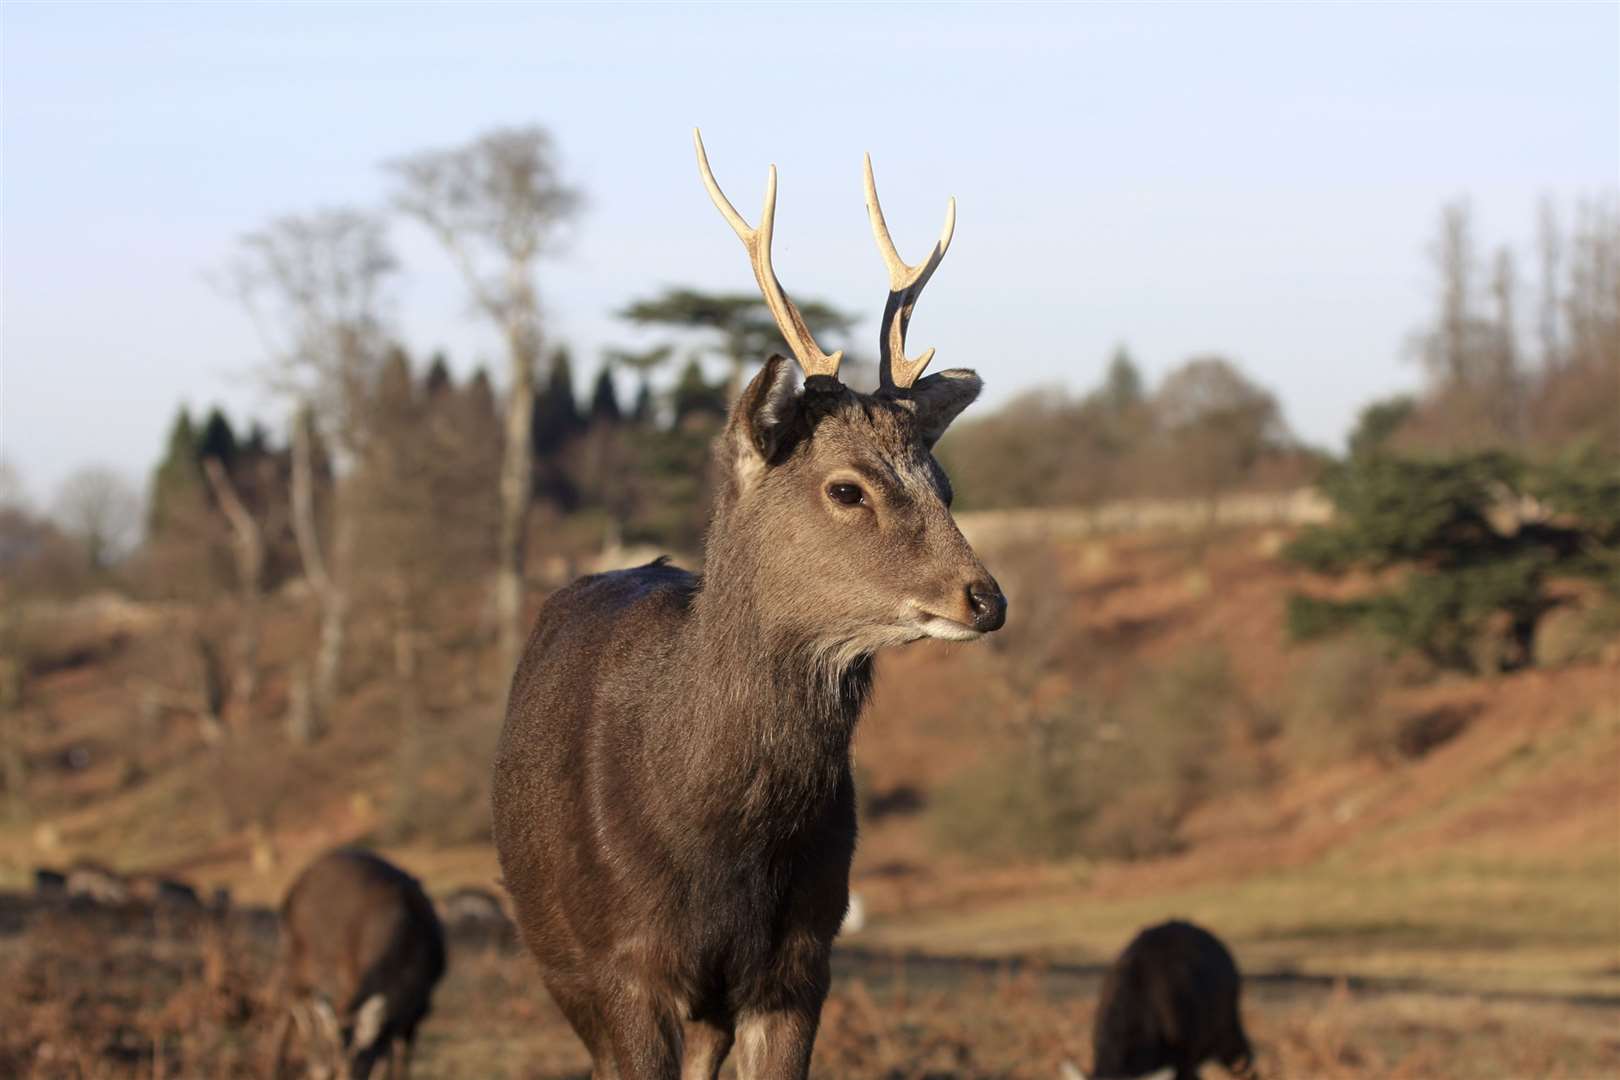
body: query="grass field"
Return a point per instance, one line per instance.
(1469, 926)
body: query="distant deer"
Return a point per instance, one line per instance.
(475, 915)
(87, 880)
(49, 884)
(1170, 1003)
(673, 806)
(470, 904)
(361, 952)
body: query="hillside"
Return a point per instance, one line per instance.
(1465, 831)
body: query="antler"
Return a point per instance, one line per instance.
(758, 243)
(905, 285)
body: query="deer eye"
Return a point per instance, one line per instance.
(847, 494)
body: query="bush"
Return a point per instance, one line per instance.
(1110, 781)
(1016, 804)
(1336, 705)
(1578, 634)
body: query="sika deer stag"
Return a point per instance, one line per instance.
(673, 805)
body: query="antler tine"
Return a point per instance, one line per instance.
(905, 285)
(758, 244)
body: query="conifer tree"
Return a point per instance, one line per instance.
(695, 396)
(1464, 555)
(217, 439)
(437, 383)
(178, 479)
(556, 411)
(605, 399)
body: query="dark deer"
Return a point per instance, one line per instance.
(361, 951)
(673, 806)
(1170, 1002)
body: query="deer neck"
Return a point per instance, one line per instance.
(771, 704)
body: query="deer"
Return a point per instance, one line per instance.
(1169, 1004)
(673, 806)
(89, 881)
(471, 914)
(361, 953)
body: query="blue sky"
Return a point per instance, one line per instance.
(1258, 180)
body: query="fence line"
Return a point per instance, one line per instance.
(1302, 506)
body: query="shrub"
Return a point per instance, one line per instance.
(1114, 780)
(1336, 705)
(1578, 634)
(1031, 798)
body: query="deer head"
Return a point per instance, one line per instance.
(832, 509)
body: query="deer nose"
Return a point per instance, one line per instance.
(989, 607)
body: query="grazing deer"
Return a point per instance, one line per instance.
(475, 915)
(673, 806)
(93, 882)
(361, 951)
(1170, 1002)
(49, 884)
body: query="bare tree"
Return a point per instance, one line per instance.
(1592, 303)
(100, 510)
(1550, 247)
(1450, 350)
(1504, 388)
(497, 204)
(315, 288)
(1217, 424)
(422, 513)
(247, 541)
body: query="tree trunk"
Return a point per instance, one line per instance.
(517, 488)
(212, 688)
(13, 762)
(408, 764)
(331, 596)
(301, 725)
(248, 543)
(334, 629)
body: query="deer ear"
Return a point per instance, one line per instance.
(763, 419)
(767, 408)
(368, 1022)
(939, 398)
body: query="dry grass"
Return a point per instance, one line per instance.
(107, 997)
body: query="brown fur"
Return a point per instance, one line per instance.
(355, 926)
(673, 805)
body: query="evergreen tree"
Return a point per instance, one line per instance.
(747, 332)
(395, 395)
(437, 384)
(605, 399)
(257, 443)
(178, 479)
(217, 439)
(1467, 558)
(1122, 386)
(478, 400)
(1379, 422)
(642, 415)
(696, 396)
(643, 363)
(556, 411)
